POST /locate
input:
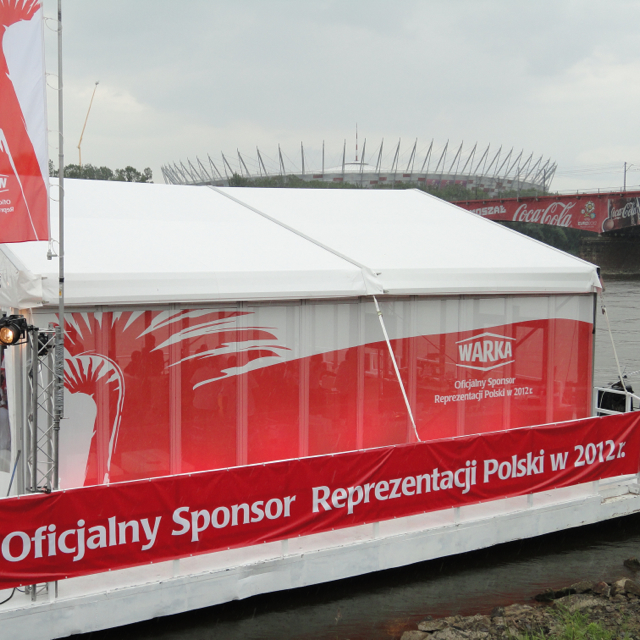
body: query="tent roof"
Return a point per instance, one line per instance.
(133, 243)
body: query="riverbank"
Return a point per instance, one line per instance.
(616, 256)
(589, 610)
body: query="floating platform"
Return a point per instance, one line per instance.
(123, 597)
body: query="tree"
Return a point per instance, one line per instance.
(129, 174)
(236, 180)
(88, 172)
(563, 238)
(91, 172)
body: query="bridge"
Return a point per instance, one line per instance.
(602, 213)
(613, 218)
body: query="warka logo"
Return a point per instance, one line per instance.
(485, 352)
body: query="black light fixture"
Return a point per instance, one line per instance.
(12, 329)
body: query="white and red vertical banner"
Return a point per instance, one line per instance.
(94, 529)
(24, 213)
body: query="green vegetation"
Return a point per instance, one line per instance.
(562, 238)
(571, 626)
(450, 193)
(291, 182)
(91, 172)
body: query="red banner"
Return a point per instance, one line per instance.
(202, 365)
(93, 529)
(597, 212)
(23, 125)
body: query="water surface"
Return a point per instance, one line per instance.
(381, 606)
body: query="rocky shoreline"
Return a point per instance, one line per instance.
(593, 611)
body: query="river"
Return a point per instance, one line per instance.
(381, 606)
(622, 300)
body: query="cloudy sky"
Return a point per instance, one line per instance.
(559, 78)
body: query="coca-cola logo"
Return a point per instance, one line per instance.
(556, 213)
(627, 210)
(485, 352)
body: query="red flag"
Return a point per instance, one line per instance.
(24, 197)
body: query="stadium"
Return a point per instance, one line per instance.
(480, 171)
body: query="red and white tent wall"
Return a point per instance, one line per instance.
(163, 391)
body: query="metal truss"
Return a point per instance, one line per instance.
(44, 388)
(41, 460)
(35, 590)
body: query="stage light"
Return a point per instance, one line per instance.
(12, 329)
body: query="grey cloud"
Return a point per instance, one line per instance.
(252, 72)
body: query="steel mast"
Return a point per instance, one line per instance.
(58, 409)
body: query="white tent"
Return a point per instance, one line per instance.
(145, 243)
(211, 328)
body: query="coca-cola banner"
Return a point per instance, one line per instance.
(597, 212)
(23, 123)
(93, 529)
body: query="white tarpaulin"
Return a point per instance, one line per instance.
(145, 243)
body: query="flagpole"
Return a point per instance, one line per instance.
(59, 341)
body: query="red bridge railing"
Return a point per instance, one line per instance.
(596, 212)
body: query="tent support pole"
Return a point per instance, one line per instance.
(395, 366)
(58, 402)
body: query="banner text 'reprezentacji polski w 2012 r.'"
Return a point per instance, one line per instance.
(93, 529)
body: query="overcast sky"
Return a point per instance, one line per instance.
(559, 78)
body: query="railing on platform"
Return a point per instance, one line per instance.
(601, 396)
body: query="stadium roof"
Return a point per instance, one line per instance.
(352, 167)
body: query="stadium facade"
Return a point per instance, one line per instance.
(480, 171)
